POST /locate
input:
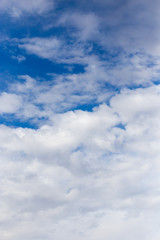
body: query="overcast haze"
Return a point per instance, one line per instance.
(79, 120)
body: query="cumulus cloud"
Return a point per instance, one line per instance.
(84, 173)
(139, 101)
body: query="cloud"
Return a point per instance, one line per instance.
(95, 85)
(132, 26)
(60, 94)
(87, 25)
(9, 103)
(116, 68)
(45, 48)
(17, 8)
(54, 49)
(133, 70)
(139, 101)
(84, 173)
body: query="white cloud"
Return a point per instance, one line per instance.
(139, 102)
(59, 94)
(87, 26)
(45, 48)
(53, 49)
(17, 8)
(134, 69)
(132, 26)
(84, 174)
(94, 86)
(9, 103)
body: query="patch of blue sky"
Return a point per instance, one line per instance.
(137, 86)
(87, 6)
(11, 120)
(87, 106)
(121, 126)
(108, 54)
(156, 81)
(37, 67)
(34, 26)
(79, 148)
(32, 65)
(12, 28)
(5, 79)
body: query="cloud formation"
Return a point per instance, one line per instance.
(80, 173)
(17, 8)
(79, 112)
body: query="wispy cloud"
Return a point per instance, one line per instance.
(17, 8)
(54, 49)
(86, 26)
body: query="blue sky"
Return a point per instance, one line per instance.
(79, 119)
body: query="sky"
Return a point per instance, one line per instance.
(79, 119)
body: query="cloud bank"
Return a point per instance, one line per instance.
(86, 172)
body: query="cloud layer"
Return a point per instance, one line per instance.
(87, 172)
(79, 112)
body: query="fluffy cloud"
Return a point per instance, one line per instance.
(84, 173)
(9, 103)
(139, 102)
